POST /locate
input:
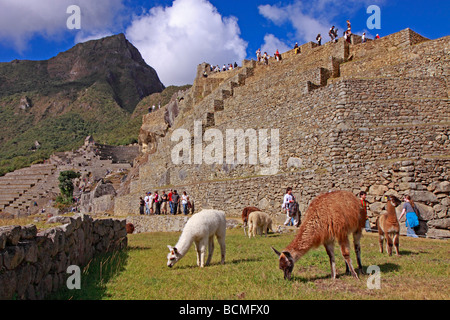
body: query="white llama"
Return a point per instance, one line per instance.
(200, 230)
(259, 222)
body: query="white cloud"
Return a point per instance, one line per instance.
(175, 39)
(21, 20)
(272, 44)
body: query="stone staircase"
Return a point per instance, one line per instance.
(307, 71)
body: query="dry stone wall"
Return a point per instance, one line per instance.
(351, 133)
(34, 264)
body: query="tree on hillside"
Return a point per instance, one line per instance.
(66, 185)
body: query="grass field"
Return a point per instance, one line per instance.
(251, 272)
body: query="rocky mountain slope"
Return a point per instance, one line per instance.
(52, 105)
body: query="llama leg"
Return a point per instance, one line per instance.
(197, 249)
(397, 244)
(381, 240)
(389, 244)
(221, 240)
(200, 247)
(357, 242)
(329, 247)
(345, 250)
(210, 250)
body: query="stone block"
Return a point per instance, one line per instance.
(12, 234)
(443, 187)
(424, 196)
(28, 232)
(378, 190)
(8, 285)
(377, 207)
(295, 163)
(12, 257)
(440, 224)
(30, 250)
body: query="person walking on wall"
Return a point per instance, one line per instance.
(288, 201)
(331, 34)
(184, 203)
(412, 220)
(319, 39)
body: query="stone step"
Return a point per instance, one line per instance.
(31, 177)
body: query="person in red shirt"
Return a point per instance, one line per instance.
(169, 195)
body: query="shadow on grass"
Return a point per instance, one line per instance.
(411, 253)
(217, 263)
(94, 277)
(389, 267)
(385, 268)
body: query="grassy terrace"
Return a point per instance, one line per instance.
(251, 272)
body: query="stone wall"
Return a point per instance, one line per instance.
(34, 264)
(144, 224)
(349, 132)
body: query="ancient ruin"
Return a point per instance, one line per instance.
(369, 116)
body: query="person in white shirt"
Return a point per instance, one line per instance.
(184, 202)
(289, 198)
(147, 203)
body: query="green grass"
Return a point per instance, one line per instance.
(251, 272)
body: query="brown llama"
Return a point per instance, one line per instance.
(245, 213)
(331, 216)
(389, 227)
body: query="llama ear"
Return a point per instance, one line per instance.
(277, 252)
(287, 254)
(175, 250)
(170, 248)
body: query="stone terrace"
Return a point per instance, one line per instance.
(344, 124)
(27, 190)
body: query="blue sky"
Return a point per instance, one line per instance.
(175, 36)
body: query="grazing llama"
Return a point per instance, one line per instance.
(331, 216)
(259, 222)
(245, 213)
(389, 227)
(200, 230)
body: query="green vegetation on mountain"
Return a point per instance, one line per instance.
(99, 88)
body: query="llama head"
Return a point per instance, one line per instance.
(286, 263)
(173, 256)
(394, 201)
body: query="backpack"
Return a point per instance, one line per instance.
(293, 208)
